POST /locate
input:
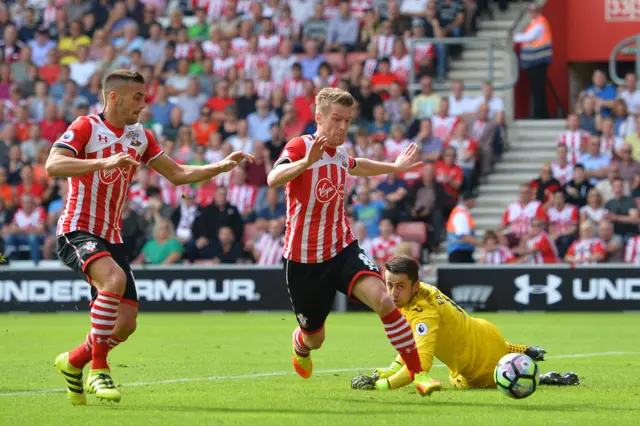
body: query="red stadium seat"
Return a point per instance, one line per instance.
(412, 231)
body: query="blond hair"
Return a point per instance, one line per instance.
(333, 96)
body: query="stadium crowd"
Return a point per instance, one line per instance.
(584, 207)
(226, 75)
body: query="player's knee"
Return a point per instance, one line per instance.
(114, 281)
(385, 304)
(126, 328)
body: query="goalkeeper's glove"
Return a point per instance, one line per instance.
(383, 373)
(363, 382)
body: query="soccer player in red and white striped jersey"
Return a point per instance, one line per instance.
(322, 254)
(632, 250)
(268, 248)
(574, 138)
(99, 156)
(588, 249)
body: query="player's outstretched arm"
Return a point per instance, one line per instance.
(408, 159)
(286, 172)
(62, 163)
(179, 174)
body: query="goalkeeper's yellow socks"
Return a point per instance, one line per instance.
(517, 349)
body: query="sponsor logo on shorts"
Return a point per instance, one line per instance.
(302, 320)
(90, 246)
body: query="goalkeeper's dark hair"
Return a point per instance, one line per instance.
(404, 265)
(114, 80)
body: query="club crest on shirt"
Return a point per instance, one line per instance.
(90, 246)
(134, 138)
(325, 190)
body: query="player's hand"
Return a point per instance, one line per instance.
(120, 160)
(317, 150)
(408, 159)
(234, 159)
(382, 373)
(362, 382)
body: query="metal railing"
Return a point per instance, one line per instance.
(627, 43)
(493, 45)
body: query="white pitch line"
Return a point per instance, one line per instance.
(287, 373)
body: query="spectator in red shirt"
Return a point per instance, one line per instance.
(203, 126)
(383, 246)
(450, 176)
(29, 186)
(383, 78)
(563, 220)
(27, 228)
(303, 104)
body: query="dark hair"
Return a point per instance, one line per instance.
(116, 78)
(152, 191)
(578, 166)
(559, 191)
(403, 265)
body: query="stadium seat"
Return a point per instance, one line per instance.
(413, 231)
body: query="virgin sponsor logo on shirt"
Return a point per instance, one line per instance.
(327, 190)
(109, 177)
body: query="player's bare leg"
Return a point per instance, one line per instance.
(536, 353)
(126, 323)
(303, 344)
(109, 279)
(370, 290)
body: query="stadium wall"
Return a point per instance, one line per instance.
(160, 289)
(551, 288)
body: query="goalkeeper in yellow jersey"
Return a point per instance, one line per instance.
(470, 347)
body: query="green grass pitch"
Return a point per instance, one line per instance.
(236, 369)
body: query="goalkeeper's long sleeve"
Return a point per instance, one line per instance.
(402, 377)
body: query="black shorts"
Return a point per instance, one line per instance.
(78, 249)
(312, 286)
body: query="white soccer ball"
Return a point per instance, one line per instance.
(517, 375)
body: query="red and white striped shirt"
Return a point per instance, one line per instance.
(221, 66)
(239, 46)
(224, 179)
(385, 45)
(293, 88)
(270, 249)
(499, 256)
(576, 142)
(251, 63)
(206, 192)
(443, 126)
(401, 66)
(519, 217)
(286, 27)
(632, 251)
(170, 193)
(562, 220)
(183, 51)
(369, 67)
(359, 7)
(608, 145)
(24, 220)
(138, 197)
(384, 249)
(421, 50)
(393, 148)
(243, 197)
(211, 50)
(214, 9)
(562, 173)
(269, 45)
(95, 200)
(317, 225)
(584, 248)
(463, 148)
(547, 251)
(320, 83)
(265, 88)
